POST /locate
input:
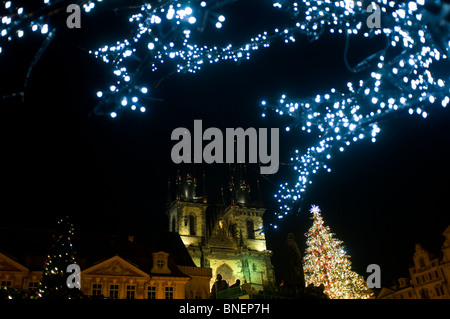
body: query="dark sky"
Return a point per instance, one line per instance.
(111, 175)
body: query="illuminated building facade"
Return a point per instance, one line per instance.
(113, 267)
(229, 239)
(429, 275)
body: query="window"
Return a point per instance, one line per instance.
(438, 293)
(418, 280)
(160, 263)
(192, 225)
(198, 295)
(168, 292)
(96, 289)
(130, 292)
(151, 292)
(5, 284)
(430, 276)
(250, 229)
(436, 274)
(33, 285)
(114, 291)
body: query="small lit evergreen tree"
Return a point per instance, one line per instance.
(61, 254)
(327, 263)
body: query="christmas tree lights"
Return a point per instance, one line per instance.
(60, 256)
(326, 263)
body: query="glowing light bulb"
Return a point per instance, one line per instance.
(44, 29)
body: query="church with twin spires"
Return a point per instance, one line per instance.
(226, 237)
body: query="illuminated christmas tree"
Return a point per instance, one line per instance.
(327, 263)
(61, 255)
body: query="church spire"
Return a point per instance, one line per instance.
(243, 189)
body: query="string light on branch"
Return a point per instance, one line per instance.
(163, 36)
(403, 81)
(18, 20)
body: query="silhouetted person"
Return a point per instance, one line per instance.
(219, 285)
(236, 284)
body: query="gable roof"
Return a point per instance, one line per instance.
(115, 266)
(7, 263)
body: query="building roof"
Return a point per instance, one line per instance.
(30, 248)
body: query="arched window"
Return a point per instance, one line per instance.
(250, 229)
(192, 225)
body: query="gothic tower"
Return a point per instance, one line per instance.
(187, 214)
(244, 217)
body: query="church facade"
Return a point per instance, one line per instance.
(229, 239)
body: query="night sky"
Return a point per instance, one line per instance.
(110, 175)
